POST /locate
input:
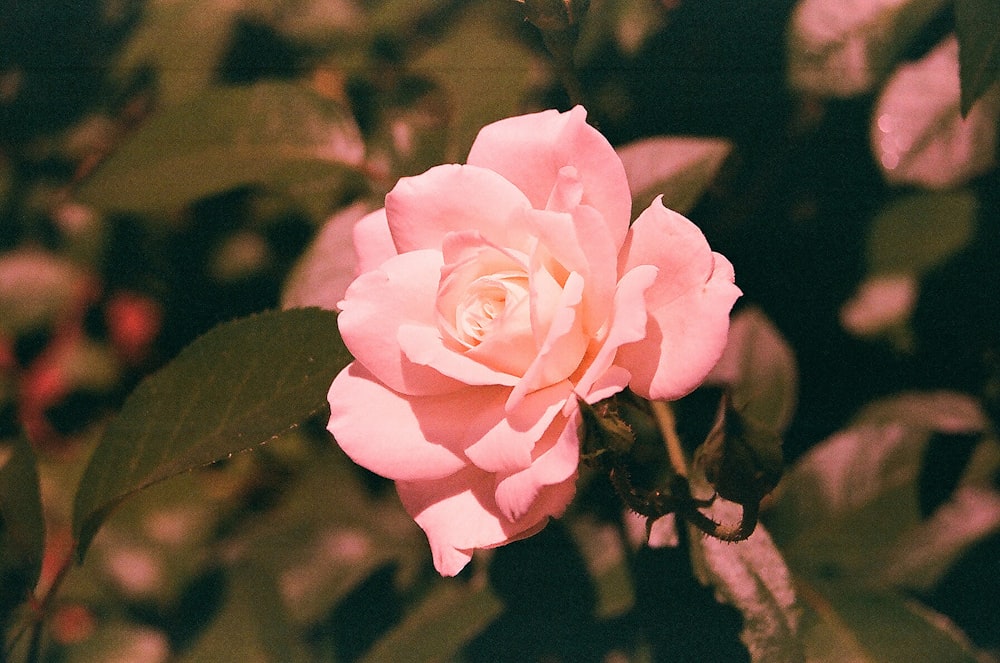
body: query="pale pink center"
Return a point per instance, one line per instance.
(485, 301)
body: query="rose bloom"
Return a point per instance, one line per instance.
(493, 295)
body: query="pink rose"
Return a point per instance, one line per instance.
(494, 294)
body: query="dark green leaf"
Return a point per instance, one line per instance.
(759, 371)
(238, 386)
(22, 527)
(918, 231)
(741, 459)
(977, 24)
(485, 74)
(844, 623)
(440, 625)
(851, 507)
(268, 133)
(182, 41)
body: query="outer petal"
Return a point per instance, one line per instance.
(377, 304)
(401, 437)
(628, 324)
(372, 241)
(421, 210)
(423, 346)
(321, 275)
(517, 492)
(688, 305)
(504, 443)
(529, 150)
(459, 514)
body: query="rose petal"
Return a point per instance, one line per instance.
(407, 438)
(423, 346)
(377, 304)
(421, 210)
(516, 493)
(530, 150)
(321, 275)
(372, 241)
(503, 443)
(508, 346)
(688, 305)
(563, 348)
(459, 514)
(628, 324)
(580, 242)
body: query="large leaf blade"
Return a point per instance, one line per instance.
(977, 25)
(22, 526)
(225, 138)
(238, 386)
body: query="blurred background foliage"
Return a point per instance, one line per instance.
(165, 166)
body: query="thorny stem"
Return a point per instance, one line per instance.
(731, 533)
(667, 424)
(665, 421)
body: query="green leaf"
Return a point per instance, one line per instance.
(485, 74)
(250, 626)
(753, 578)
(326, 535)
(268, 133)
(977, 24)
(850, 624)
(440, 625)
(850, 508)
(238, 386)
(842, 49)
(22, 526)
(918, 231)
(182, 42)
(758, 368)
(680, 168)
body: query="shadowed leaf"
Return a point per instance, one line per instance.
(238, 386)
(977, 24)
(225, 138)
(22, 528)
(486, 76)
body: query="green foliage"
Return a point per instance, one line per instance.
(242, 384)
(918, 231)
(977, 24)
(851, 518)
(266, 134)
(22, 527)
(843, 622)
(182, 42)
(491, 82)
(758, 369)
(439, 626)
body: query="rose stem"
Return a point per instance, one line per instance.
(665, 421)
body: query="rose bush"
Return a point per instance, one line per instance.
(490, 297)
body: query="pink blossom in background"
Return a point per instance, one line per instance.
(494, 294)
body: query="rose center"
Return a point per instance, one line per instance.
(484, 302)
